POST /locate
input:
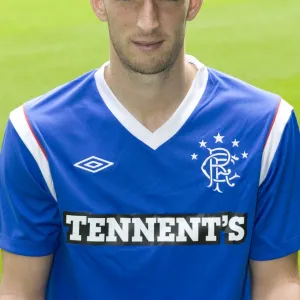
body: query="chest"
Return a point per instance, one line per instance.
(196, 188)
(208, 173)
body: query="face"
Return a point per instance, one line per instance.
(146, 35)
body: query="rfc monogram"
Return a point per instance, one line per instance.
(214, 168)
(218, 166)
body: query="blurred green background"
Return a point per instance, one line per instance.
(46, 43)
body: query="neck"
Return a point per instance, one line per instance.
(151, 99)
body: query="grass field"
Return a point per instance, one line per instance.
(46, 43)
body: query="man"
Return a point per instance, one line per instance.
(153, 177)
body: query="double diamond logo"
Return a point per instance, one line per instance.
(217, 167)
(93, 164)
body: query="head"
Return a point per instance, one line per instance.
(147, 36)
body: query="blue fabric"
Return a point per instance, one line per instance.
(237, 219)
(275, 234)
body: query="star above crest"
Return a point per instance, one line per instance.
(219, 138)
(235, 143)
(202, 144)
(194, 156)
(245, 155)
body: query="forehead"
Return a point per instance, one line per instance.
(147, 3)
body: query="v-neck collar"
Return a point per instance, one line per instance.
(164, 133)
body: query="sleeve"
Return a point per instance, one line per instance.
(277, 224)
(29, 216)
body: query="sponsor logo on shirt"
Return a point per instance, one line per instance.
(162, 229)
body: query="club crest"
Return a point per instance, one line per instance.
(220, 164)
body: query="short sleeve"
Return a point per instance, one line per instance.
(29, 217)
(277, 224)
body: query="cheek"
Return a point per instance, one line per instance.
(124, 20)
(125, 12)
(173, 27)
(174, 17)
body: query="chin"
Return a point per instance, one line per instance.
(148, 68)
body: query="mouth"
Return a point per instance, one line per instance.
(148, 45)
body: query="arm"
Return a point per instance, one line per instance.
(276, 279)
(276, 232)
(24, 277)
(29, 219)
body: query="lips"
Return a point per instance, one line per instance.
(144, 43)
(148, 46)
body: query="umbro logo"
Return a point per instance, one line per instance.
(93, 164)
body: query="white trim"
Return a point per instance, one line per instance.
(176, 121)
(281, 120)
(18, 119)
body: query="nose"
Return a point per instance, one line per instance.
(148, 18)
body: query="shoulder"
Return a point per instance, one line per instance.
(55, 104)
(42, 121)
(246, 99)
(260, 113)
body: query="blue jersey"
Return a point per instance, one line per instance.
(173, 214)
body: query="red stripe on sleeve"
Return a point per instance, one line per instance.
(31, 129)
(273, 122)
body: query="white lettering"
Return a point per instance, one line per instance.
(233, 237)
(75, 222)
(141, 228)
(114, 227)
(165, 229)
(211, 222)
(185, 228)
(155, 229)
(95, 228)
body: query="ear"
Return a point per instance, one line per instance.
(99, 9)
(194, 8)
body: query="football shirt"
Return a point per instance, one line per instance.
(173, 214)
